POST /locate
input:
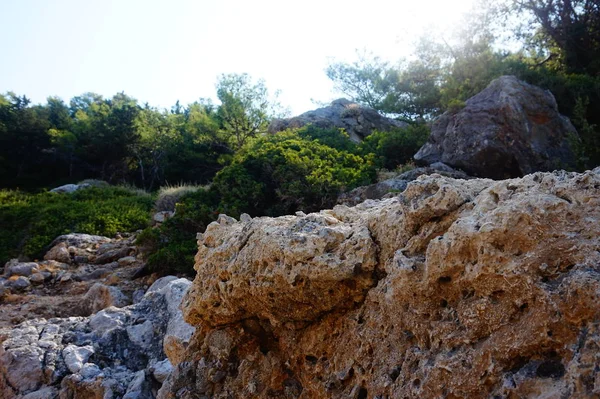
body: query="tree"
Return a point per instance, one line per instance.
(565, 29)
(245, 109)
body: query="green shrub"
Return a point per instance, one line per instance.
(168, 196)
(396, 147)
(171, 247)
(333, 137)
(283, 173)
(33, 221)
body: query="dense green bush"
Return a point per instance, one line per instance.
(395, 148)
(171, 247)
(283, 173)
(31, 221)
(333, 137)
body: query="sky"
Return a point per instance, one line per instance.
(163, 51)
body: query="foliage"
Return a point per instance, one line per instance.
(334, 138)
(394, 148)
(37, 219)
(169, 196)
(283, 173)
(171, 247)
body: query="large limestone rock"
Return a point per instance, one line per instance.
(116, 353)
(454, 289)
(508, 130)
(357, 120)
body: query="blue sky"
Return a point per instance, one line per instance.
(163, 51)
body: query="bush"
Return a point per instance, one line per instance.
(333, 137)
(284, 173)
(171, 247)
(397, 147)
(36, 220)
(169, 196)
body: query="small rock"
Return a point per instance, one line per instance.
(19, 284)
(76, 356)
(40, 277)
(126, 261)
(59, 253)
(101, 296)
(161, 370)
(161, 217)
(66, 277)
(89, 371)
(16, 268)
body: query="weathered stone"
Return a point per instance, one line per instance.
(358, 121)
(161, 370)
(126, 261)
(112, 255)
(76, 356)
(18, 284)
(16, 268)
(116, 353)
(508, 130)
(59, 253)
(39, 278)
(101, 296)
(477, 289)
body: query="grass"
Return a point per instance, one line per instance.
(169, 196)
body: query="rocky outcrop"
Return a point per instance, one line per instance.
(116, 353)
(357, 120)
(394, 186)
(455, 289)
(508, 130)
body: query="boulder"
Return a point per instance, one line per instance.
(358, 121)
(510, 129)
(453, 289)
(15, 268)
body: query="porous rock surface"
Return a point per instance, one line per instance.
(454, 289)
(358, 121)
(115, 353)
(509, 129)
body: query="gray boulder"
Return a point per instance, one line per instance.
(510, 129)
(357, 120)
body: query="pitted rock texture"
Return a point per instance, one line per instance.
(509, 129)
(357, 120)
(115, 353)
(466, 289)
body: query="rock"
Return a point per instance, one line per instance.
(76, 356)
(19, 284)
(80, 240)
(161, 217)
(44, 393)
(161, 370)
(126, 261)
(101, 296)
(16, 268)
(358, 121)
(39, 278)
(508, 130)
(455, 288)
(116, 353)
(112, 255)
(59, 253)
(396, 185)
(66, 189)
